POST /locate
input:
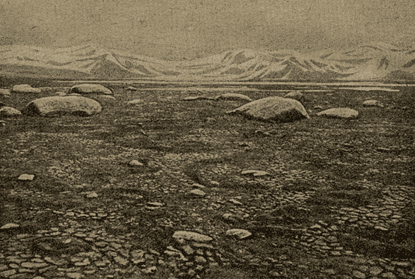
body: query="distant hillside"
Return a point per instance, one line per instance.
(374, 62)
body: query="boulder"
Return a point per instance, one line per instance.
(195, 98)
(273, 109)
(56, 106)
(9, 112)
(296, 95)
(233, 97)
(339, 113)
(135, 102)
(372, 103)
(5, 93)
(91, 89)
(25, 88)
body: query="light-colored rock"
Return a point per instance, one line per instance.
(197, 193)
(296, 95)
(239, 233)
(195, 98)
(135, 163)
(9, 226)
(9, 112)
(91, 195)
(134, 102)
(255, 172)
(27, 177)
(192, 236)
(25, 88)
(5, 93)
(91, 89)
(57, 106)
(2, 123)
(131, 88)
(372, 103)
(233, 97)
(339, 113)
(273, 109)
(60, 93)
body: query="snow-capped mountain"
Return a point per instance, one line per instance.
(368, 62)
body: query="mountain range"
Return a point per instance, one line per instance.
(371, 62)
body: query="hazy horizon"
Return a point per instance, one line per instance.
(185, 29)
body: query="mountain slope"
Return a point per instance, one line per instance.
(368, 62)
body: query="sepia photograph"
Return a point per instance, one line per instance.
(207, 139)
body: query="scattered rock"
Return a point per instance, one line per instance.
(135, 102)
(233, 97)
(25, 88)
(9, 226)
(90, 89)
(9, 112)
(339, 113)
(131, 88)
(273, 109)
(26, 177)
(135, 163)
(5, 93)
(91, 195)
(194, 98)
(197, 192)
(296, 95)
(239, 233)
(57, 106)
(192, 236)
(372, 103)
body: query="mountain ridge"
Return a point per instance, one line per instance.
(370, 62)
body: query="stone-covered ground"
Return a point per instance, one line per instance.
(326, 198)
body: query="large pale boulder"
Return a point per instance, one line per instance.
(25, 88)
(9, 112)
(233, 97)
(273, 109)
(57, 106)
(91, 89)
(347, 113)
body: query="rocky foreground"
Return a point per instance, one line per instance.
(132, 205)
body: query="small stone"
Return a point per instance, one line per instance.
(9, 226)
(92, 195)
(74, 275)
(135, 163)
(388, 275)
(197, 192)
(34, 265)
(200, 259)
(358, 274)
(192, 236)
(121, 261)
(26, 177)
(375, 270)
(239, 233)
(149, 270)
(188, 250)
(7, 273)
(234, 201)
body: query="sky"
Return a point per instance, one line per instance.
(189, 29)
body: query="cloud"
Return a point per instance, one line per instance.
(186, 29)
